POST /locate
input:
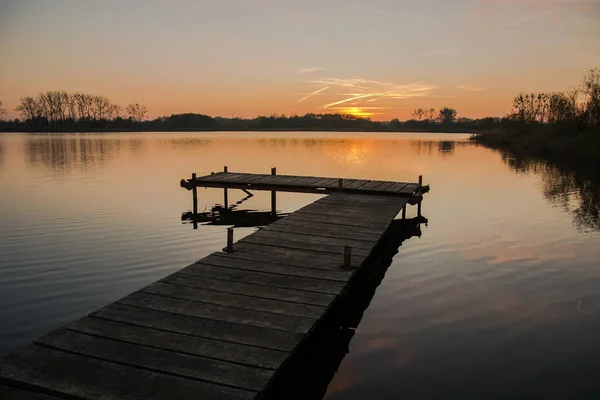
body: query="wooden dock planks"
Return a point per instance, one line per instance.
(222, 327)
(308, 184)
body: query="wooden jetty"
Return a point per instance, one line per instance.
(234, 324)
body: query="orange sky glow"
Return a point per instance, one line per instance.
(381, 59)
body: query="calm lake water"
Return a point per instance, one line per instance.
(500, 295)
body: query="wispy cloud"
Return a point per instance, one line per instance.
(358, 90)
(316, 92)
(470, 87)
(306, 70)
(357, 95)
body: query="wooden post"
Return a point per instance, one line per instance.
(340, 184)
(194, 194)
(347, 257)
(225, 194)
(229, 248)
(404, 211)
(274, 195)
(420, 201)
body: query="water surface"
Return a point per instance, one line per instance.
(500, 295)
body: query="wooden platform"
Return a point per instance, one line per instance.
(221, 328)
(304, 184)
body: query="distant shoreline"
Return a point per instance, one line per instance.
(562, 147)
(117, 130)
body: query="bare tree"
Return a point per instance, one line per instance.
(3, 113)
(116, 111)
(418, 114)
(590, 89)
(137, 112)
(430, 115)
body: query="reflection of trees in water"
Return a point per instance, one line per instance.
(574, 190)
(64, 153)
(444, 147)
(1, 153)
(186, 143)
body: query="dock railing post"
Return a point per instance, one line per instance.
(340, 184)
(194, 201)
(420, 201)
(225, 194)
(194, 194)
(274, 195)
(347, 257)
(229, 247)
(404, 211)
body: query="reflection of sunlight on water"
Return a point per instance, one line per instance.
(355, 152)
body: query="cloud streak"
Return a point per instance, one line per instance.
(470, 87)
(359, 91)
(316, 92)
(307, 70)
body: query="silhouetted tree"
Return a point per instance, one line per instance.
(3, 113)
(418, 114)
(137, 112)
(447, 115)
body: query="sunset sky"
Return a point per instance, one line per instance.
(381, 58)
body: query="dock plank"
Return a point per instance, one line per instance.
(280, 280)
(158, 360)
(409, 189)
(234, 300)
(337, 220)
(180, 343)
(324, 230)
(327, 182)
(257, 257)
(325, 227)
(265, 292)
(315, 244)
(200, 327)
(277, 261)
(12, 393)
(310, 241)
(354, 183)
(369, 186)
(88, 378)
(218, 313)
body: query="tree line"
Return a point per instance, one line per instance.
(58, 109)
(577, 109)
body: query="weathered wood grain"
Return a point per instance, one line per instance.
(199, 327)
(12, 393)
(324, 230)
(269, 256)
(219, 313)
(180, 343)
(255, 257)
(234, 300)
(264, 278)
(260, 291)
(310, 242)
(88, 378)
(158, 360)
